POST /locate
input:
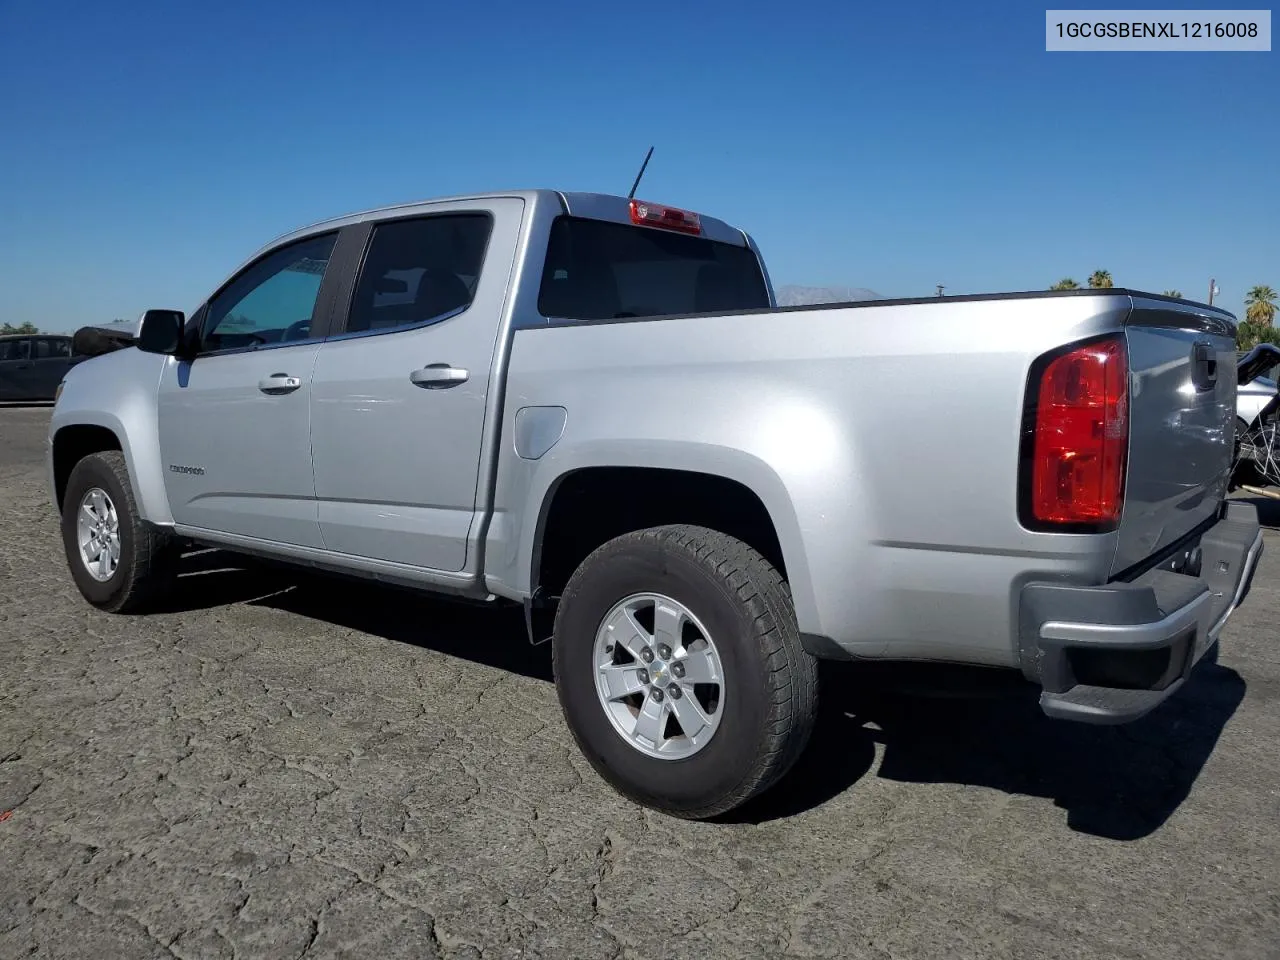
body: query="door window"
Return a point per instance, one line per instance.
(419, 271)
(49, 347)
(271, 301)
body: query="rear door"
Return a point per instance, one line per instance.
(399, 393)
(51, 359)
(1182, 389)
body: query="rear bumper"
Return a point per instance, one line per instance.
(1111, 653)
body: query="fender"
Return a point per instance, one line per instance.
(117, 391)
(527, 489)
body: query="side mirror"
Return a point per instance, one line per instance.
(161, 332)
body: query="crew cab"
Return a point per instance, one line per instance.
(593, 407)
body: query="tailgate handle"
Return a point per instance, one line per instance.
(1204, 366)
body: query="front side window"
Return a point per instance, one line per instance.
(419, 270)
(272, 301)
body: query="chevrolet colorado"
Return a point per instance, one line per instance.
(592, 406)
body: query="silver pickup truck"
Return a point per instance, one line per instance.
(593, 407)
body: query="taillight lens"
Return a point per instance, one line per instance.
(1081, 437)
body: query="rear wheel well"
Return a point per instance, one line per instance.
(594, 505)
(71, 445)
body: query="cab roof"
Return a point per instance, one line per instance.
(595, 206)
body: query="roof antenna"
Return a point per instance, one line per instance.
(632, 194)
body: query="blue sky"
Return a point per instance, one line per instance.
(147, 148)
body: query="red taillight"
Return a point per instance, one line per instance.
(656, 215)
(1081, 437)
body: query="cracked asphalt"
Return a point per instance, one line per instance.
(283, 765)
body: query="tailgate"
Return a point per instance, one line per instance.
(1182, 391)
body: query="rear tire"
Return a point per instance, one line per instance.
(769, 682)
(145, 565)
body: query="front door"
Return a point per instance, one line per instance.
(18, 371)
(399, 396)
(15, 360)
(235, 433)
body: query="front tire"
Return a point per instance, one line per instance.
(657, 622)
(119, 563)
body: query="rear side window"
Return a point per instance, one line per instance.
(597, 270)
(419, 270)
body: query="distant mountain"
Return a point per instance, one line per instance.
(792, 295)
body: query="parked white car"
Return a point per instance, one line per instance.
(1251, 397)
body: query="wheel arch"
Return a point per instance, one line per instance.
(663, 483)
(71, 444)
(77, 434)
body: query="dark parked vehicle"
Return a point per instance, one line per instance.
(32, 365)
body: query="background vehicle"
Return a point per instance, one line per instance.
(32, 365)
(1251, 397)
(594, 408)
(1257, 442)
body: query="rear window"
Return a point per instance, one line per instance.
(597, 270)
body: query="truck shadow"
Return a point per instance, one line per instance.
(934, 723)
(492, 636)
(1268, 509)
(1119, 783)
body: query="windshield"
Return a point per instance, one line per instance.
(597, 270)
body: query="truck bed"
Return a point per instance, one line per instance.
(886, 439)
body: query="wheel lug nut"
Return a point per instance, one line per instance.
(657, 695)
(646, 655)
(677, 669)
(643, 675)
(664, 652)
(675, 691)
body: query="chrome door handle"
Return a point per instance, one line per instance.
(435, 376)
(279, 383)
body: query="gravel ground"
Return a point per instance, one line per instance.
(284, 765)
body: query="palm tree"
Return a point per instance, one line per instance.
(1173, 293)
(1249, 334)
(1066, 283)
(1260, 305)
(1100, 278)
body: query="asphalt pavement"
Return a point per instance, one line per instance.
(283, 765)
